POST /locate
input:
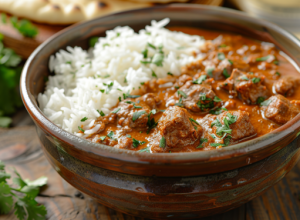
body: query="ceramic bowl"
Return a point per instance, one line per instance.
(177, 185)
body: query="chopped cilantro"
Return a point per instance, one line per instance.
(128, 135)
(262, 58)
(146, 149)
(136, 143)
(137, 114)
(162, 142)
(93, 41)
(182, 94)
(231, 62)
(105, 45)
(25, 27)
(80, 129)
(223, 45)
(244, 78)
(210, 71)
(151, 45)
(276, 62)
(170, 74)
(127, 95)
(256, 80)
(260, 100)
(217, 111)
(201, 79)
(111, 135)
(142, 83)
(145, 53)
(84, 119)
(101, 113)
(217, 99)
(193, 120)
(102, 90)
(213, 136)
(225, 73)
(221, 56)
(154, 74)
(116, 110)
(151, 122)
(266, 103)
(109, 87)
(277, 73)
(176, 87)
(202, 140)
(158, 59)
(102, 138)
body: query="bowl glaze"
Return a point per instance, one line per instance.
(177, 185)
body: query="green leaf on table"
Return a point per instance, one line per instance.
(31, 191)
(4, 176)
(6, 200)
(19, 180)
(20, 210)
(2, 166)
(5, 122)
(38, 182)
(34, 211)
(93, 41)
(25, 27)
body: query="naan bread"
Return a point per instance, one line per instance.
(65, 11)
(158, 1)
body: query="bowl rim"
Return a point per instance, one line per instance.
(236, 150)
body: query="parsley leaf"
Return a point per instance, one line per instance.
(260, 100)
(111, 135)
(136, 143)
(102, 138)
(158, 59)
(151, 122)
(231, 62)
(151, 45)
(170, 74)
(217, 111)
(217, 99)
(193, 120)
(25, 27)
(6, 200)
(93, 41)
(202, 140)
(146, 149)
(210, 71)
(245, 78)
(80, 129)
(145, 53)
(137, 114)
(154, 74)
(127, 95)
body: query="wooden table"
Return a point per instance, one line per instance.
(20, 148)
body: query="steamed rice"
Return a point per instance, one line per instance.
(88, 82)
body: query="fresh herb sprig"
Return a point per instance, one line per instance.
(22, 197)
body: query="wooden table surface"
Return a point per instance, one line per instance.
(20, 148)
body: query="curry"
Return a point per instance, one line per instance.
(240, 90)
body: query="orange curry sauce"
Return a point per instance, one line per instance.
(235, 48)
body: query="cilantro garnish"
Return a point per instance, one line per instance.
(221, 56)
(231, 62)
(137, 114)
(101, 113)
(202, 140)
(201, 79)
(84, 119)
(136, 143)
(162, 142)
(93, 41)
(182, 94)
(170, 74)
(176, 87)
(145, 53)
(244, 78)
(116, 110)
(225, 73)
(146, 149)
(224, 129)
(102, 90)
(276, 62)
(127, 95)
(154, 74)
(80, 129)
(158, 59)
(256, 80)
(111, 135)
(151, 122)
(217, 99)
(262, 58)
(278, 73)
(151, 45)
(210, 71)
(194, 121)
(109, 87)
(223, 45)
(217, 111)
(102, 138)
(25, 27)
(260, 100)
(23, 202)
(266, 103)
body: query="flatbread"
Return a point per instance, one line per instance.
(158, 1)
(65, 11)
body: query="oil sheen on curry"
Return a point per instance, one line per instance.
(240, 90)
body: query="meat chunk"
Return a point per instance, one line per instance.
(279, 109)
(226, 128)
(196, 97)
(134, 112)
(247, 86)
(178, 129)
(124, 143)
(286, 85)
(183, 79)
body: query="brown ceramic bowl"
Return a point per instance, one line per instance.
(177, 185)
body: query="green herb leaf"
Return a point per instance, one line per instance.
(5, 121)
(111, 135)
(200, 80)
(244, 78)
(136, 143)
(176, 87)
(145, 53)
(225, 73)
(260, 100)
(80, 129)
(151, 45)
(146, 149)
(221, 56)
(210, 71)
(158, 59)
(223, 45)
(202, 140)
(116, 110)
(266, 103)
(127, 95)
(217, 99)
(262, 58)
(217, 111)
(6, 200)
(93, 41)
(162, 142)
(25, 27)
(137, 114)
(170, 74)
(3, 18)
(102, 138)
(256, 80)
(193, 121)
(231, 62)
(182, 94)
(277, 73)
(84, 119)
(154, 74)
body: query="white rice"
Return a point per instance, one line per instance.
(74, 91)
